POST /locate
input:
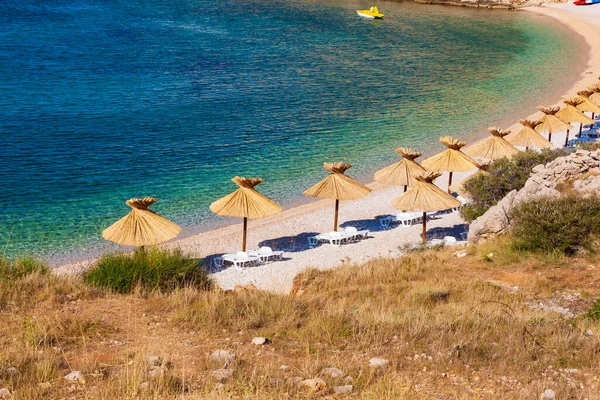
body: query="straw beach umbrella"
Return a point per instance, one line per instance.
(451, 159)
(595, 96)
(424, 196)
(571, 114)
(550, 123)
(587, 104)
(337, 186)
(403, 172)
(245, 203)
(528, 137)
(494, 147)
(141, 227)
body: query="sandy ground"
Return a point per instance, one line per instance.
(289, 230)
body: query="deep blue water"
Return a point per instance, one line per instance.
(102, 100)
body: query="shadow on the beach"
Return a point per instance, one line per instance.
(371, 224)
(290, 244)
(209, 265)
(441, 232)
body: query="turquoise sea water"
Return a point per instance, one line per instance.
(102, 100)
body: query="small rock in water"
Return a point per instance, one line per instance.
(75, 376)
(548, 395)
(314, 385)
(12, 371)
(378, 362)
(260, 341)
(342, 389)
(222, 356)
(221, 375)
(460, 253)
(332, 372)
(154, 361)
(5, 393)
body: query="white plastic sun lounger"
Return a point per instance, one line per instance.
(334, 238)
(266, 254)
(240, 259)
(409, 218)
(354, 234)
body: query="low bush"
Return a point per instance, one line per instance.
(504, 176)
(589, 146)
(11, 270)
(593, 313)
(151, 269)
(560, 225)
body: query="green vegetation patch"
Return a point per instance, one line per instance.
(151, 269)
(505, 175)
(560, 225)
(12, 270)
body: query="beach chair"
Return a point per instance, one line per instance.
(313, 241)
(241, 259)
(449, 240)
(334, 238)
(408, 218)
(266, 254)
(385, 222)
(218, 262)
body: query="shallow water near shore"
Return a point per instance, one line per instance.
(103, 101)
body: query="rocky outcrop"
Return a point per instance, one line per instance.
(579, 172)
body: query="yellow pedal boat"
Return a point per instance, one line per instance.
(371, 13)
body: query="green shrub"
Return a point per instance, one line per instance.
(593, 313)
(152, 269)
(505, 175)
(11, 270)
(555, 225)
(589, 146)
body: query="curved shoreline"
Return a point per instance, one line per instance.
(297, 222)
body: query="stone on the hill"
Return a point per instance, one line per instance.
(155, 372)
(460, 253)
(221, 375)
(260, 341)
(154, 361)
(548, 395)
(332, 372)
(12, 371)
(5, 393)
(378, 362)
(589, 333)
(222, 356)
(342, 389)
(314, 385)
(75, 376)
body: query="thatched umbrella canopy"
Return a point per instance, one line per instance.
(528, 137)
(494, 147)
(403, 172)
(337, 186)
(483, 170)
(451, 159)
(424, 196)
(588, 105)
(571, 114)
(141, 227)
(595, 96)
(550, 123)
(245, 203)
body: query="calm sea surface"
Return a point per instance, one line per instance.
(102, 100)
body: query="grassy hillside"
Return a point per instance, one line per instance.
(502, 326)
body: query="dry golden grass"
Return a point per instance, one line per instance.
(452, 328)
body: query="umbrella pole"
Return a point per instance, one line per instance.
(580, 128)
(449, 181)
(405, 187)
(335, 218)
(245, 232)
(550, 137)
(423, 235)
(567, 139)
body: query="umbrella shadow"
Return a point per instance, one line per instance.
(441, 232)
(372, 224)
(290, 244)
